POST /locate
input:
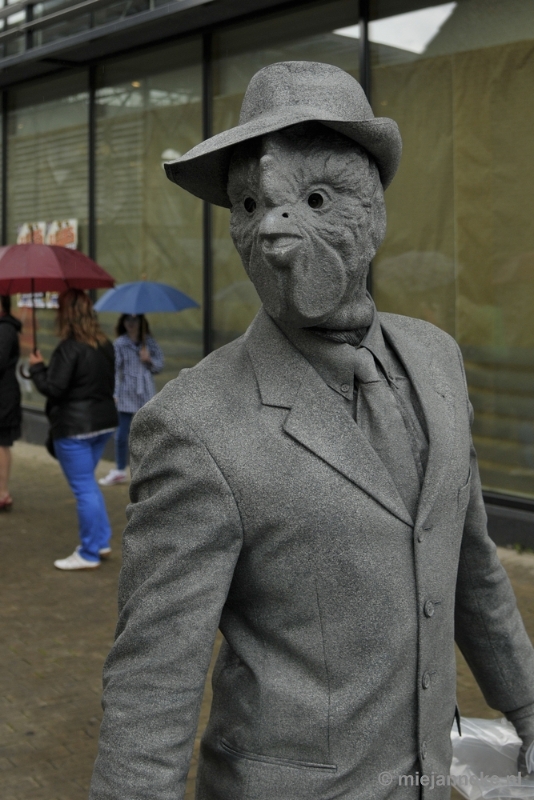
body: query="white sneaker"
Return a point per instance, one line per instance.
(75, 561)
(114, 476)
(104, 552)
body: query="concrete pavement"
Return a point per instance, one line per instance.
(57, 629)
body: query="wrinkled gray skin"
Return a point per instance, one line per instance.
(308, 264)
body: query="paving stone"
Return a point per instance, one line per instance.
(56, 630)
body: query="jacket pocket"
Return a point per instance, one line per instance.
(282, 762)
(463, 495)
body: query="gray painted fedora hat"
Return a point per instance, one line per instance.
(281, 95)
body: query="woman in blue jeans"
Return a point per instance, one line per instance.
(78, 384)
(137, 358)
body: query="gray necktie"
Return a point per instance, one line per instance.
(379, 418)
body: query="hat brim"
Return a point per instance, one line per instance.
(203, 171)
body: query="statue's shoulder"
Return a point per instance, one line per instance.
(199, 390)
(418, 329)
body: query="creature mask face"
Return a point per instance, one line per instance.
(307, 218)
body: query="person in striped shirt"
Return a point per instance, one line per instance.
(137, 358)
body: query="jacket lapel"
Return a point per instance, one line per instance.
(437, 402)
(320, 424)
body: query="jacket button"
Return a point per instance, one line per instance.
(423, 750)
(429, 608)
(345, 387)
(426, 680)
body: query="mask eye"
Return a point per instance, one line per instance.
(250, 205)
(315, 200)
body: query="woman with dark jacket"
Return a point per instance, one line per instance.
(79, 385)
(10, 412)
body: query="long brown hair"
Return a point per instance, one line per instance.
(77, 320)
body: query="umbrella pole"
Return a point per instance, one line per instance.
(34, 320)
(26, 375)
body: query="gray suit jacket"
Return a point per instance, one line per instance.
(259, 507)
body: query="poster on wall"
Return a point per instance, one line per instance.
(31, 233)
(60, 232)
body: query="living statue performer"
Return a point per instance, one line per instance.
(311, 489)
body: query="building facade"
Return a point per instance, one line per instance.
(97, 95)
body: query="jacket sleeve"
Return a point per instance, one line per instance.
(489, 629)
(181, 545)
(156, 356)
(7, 337)
(55, 380)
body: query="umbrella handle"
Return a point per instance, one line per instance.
(142, 331)
(25, 375)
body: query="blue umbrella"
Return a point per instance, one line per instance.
(142, 297)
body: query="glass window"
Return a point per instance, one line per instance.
(149, 110)
(459, 252)
(310, 34)
(120, 10)
(47, 176)
(15, 41)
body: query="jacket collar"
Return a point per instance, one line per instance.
(437, 401)
(287, 380)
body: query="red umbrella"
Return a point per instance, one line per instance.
(48, 268)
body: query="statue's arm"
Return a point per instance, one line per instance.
(181, 544)
(489, 628)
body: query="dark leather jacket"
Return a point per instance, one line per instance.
(10, 413)
(78, 383)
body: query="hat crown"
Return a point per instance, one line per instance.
(279, 96)
(306, 84)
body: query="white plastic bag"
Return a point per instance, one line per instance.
(484, 763)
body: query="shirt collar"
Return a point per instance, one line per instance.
(374, 342)
(334, 361)
(129, 342)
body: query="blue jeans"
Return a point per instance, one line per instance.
(121, 439)
(78, 459)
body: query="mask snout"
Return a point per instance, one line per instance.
(279, 234)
